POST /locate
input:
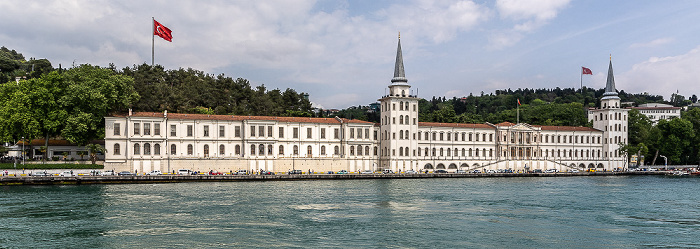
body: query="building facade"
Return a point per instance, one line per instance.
(161, 141)
(658, 111)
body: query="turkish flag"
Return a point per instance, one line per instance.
(519, 102)
(162, 31)
(586, 71)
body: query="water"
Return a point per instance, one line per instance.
(549, 212)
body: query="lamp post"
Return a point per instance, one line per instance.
(665, 162)
(22, 152)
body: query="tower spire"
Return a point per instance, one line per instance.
(610, 90)
(399, 74)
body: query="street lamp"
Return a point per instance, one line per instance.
(665, 162)
(22, 151)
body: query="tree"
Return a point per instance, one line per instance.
(93, 149)
(91, 94)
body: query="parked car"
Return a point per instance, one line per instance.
(550, 171)
(440, 171)
(366, 171)
(125, 173)
(108, 173)
(573, 171)
(537, 171)
(67, 173)
(461, 172)
(476, 171)
(215, 173)
(387, 171)
(490, 171)
(40, 173)
(154, 173)
(295, 172)
(342, 172)
(410, 171)
(184, 172)
(265, 172)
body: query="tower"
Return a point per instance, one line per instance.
(612, 120)
(399, 122)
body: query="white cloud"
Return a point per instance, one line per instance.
(527, 17)
(664, 75)
(654, 43)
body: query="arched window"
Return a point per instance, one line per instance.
(323, 150)
(375, 150)
(269, 149)
(295, 150)
(336, 150)
(238, 149)
(137, 149)
(252, 149)
(189, 149)
(146, 149)
(367, 151)
(309, 151)
(222, 150)
(426, 151)
(281, 150)
(449, 152)
(463, 152)
(441, 151)
(352, 150)
(261, 150)
(206, 150)
(156, 149)
(401, 105)
(359, 150)
(117, 149)
(173, 149)
(400, 119)
(434, 150)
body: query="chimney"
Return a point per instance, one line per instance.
(129, 111)
(165, 113)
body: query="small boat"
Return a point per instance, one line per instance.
(680, 173)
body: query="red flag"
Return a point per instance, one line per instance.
(586, 71)
(162, 31)
(519, 102)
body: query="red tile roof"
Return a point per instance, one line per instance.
(457, 125)
(240, 118)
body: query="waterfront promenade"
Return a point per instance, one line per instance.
(144, 179)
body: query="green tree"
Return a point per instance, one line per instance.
(93, 150)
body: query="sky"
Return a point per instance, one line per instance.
(342, 52)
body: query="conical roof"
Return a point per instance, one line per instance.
(399, 74)
(610, 91)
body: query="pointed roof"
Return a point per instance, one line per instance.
(399, 74)
(610, 91)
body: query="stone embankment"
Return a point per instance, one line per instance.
(77, 180)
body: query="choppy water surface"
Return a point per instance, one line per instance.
(563, 212)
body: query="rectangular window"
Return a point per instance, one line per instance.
(336, 133)
(352, 133)
(281, 135)
(156, 129)
(222, 131)
(323, 133)
(237, 131)
(137, 128)
(206, 130)
(261, 131)
(117, 129)
(146, 129)
(295, 132)
(375, 135)
(366, 133)
(269, 133)
(308, 133)
(252, 130)
(173, 131)
(189, 130)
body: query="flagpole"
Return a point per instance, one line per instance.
(153, 40)
(518, 110)
(581, 80)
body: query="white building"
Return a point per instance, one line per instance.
(168, 141)
(658, 111)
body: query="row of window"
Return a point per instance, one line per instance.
(254, 150)
(259, 132)
(403, 106)
(465, 136)
(402, 120)
(615, 116)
